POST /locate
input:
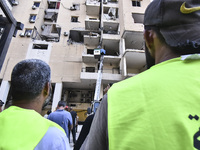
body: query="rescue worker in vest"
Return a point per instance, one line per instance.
(161, 105)
(22, 127)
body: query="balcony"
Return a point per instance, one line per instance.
(135, 61)
(111, 44)
(134, 51)
(51, 15)
(89, 58)
(53, 4)
(51, 32)
(110, 3)
(109, 75)
(110, 14)
(92, 39)
(92, 7)
(92, 24)
(110, 21)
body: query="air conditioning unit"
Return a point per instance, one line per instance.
(34, 7)
(32, 21)
(22, 34)
(14, 3)
(72, 8)
(66, 33)
(28, 34)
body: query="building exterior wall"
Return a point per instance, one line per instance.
(69, 52)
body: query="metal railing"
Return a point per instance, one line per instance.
(95, 70)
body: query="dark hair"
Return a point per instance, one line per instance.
(61, 103)
(110, 84)
(48, 112)
(183, 48)
(28, 79)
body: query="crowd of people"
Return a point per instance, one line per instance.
(156, 109)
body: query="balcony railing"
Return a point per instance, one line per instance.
(110, 71)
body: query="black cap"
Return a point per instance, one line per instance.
(1, 103)
(178, 20)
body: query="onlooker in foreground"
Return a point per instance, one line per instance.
(22, 127)
(160, 107)
(1, 104)
(62, 117)
(74, 120)
(84, 132)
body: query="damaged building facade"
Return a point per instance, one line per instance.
(64, 33)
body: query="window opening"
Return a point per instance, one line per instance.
(90, 51)
(32, 18)
(90, 69)
(54, 5)
(138, 18)
(40, 46)
(37, 4)
(136, 3)
(28, 32)
(74, 19)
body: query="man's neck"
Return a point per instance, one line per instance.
(61, 108)
(164, 53)
(34, 105)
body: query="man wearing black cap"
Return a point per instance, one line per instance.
(161, 105)
(1, 104)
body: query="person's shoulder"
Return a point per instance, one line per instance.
(54, 139)
(54, 131)
(66, 112)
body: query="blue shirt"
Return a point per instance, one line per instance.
(63, 118)
(54, 139)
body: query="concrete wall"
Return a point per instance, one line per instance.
(125, 12)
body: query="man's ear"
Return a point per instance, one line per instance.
(47, 88)
(149, 40)
(148, 36)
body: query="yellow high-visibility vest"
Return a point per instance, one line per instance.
(22, 129)
(158, 109)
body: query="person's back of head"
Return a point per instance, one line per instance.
(177, 23)
(61, 104)
(28, 79)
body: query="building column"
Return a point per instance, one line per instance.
(125, 66)
(4, 90)
(123, 61)
(101, 91)
(56, 96)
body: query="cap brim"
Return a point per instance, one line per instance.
(176, 35)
